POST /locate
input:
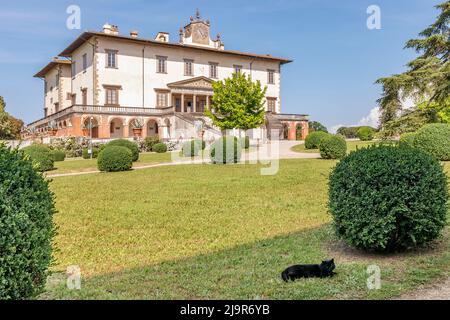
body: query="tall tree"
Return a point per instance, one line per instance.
(427, 79)
(316, 126)
(238, 103)
(10, 127)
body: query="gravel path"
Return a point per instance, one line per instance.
(437, 291)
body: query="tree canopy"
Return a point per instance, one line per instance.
(10, 127)
(316, 126)
(427, 79)
(238, 103)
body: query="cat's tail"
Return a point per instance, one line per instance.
(284, 276)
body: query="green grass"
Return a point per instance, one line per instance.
(211, 231)
(351, 146)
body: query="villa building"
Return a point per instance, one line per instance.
(103, 81)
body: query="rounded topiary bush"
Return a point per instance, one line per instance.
(58, 155)
(365, 133)
(27, 229)
(159, 148)
(313, 139)
(333, 147)
(41, 156)
(226, 150)
(245, 142)
(434, 139)
(407, 139)
(128, 144)
(190, 148)
(388, 198)
(115, 158)
(86, 154)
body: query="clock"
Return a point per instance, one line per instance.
(200, 34)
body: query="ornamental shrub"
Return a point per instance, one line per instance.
(58, 155)
(386, 198)
(95, 151)
(434, 139)
(226, 150)
(245, 142)
(160, 148)
(407, 139)
(26, 232)
(115, 158)
(128, 144)
(190, 148)
(365, 133)
(333, 147)
(41, 156)
(313, 139)
(148, 143)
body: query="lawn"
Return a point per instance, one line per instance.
(351, 146)
(210, 231)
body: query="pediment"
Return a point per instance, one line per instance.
(194, 83)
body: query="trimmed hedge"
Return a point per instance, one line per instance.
(128, 144)
(365, 133)
(333, 147)
(245, 142)
(115, 158)
(434, 139)
(313, 139)
(190, 148)
(407, 139)
(226, 150)
(86, 155)
(58, 155)
(27, 228)
(41, 156)
(387, 198)
(159, 148)
(148, 143)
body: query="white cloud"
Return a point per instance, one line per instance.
(372, 120)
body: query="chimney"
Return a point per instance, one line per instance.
(111, 29)
(134, 33)
(162, 37)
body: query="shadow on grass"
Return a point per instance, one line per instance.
(252, 271)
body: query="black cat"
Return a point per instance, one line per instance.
(325, 269)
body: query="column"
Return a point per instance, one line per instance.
(207, 102)
(194, 103)
(182, 102)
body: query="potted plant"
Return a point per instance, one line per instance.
(52, 127)
(137, 125)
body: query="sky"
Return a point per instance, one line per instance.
(336, 57)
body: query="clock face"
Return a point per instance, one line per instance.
(201, 34)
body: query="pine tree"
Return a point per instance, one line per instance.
(427, 79)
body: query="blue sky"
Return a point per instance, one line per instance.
(336, 57)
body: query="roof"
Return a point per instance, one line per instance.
(85, 36)
(49, 66)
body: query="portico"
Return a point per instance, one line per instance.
(192, 95)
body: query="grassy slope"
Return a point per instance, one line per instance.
(351, 146)
(189, 232)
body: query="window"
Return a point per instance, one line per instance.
(56, 107)
(74, 98)
(161, 99)
(84, 96)
(213, 70)
(74, 69)
(270, 76)
(111, 58)
(188, 64)
(111, 95)
(45, 86)
(237, 68)
(84, 62)
(161, 64)
(57, 79)
(272, 105)
(45, 112)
